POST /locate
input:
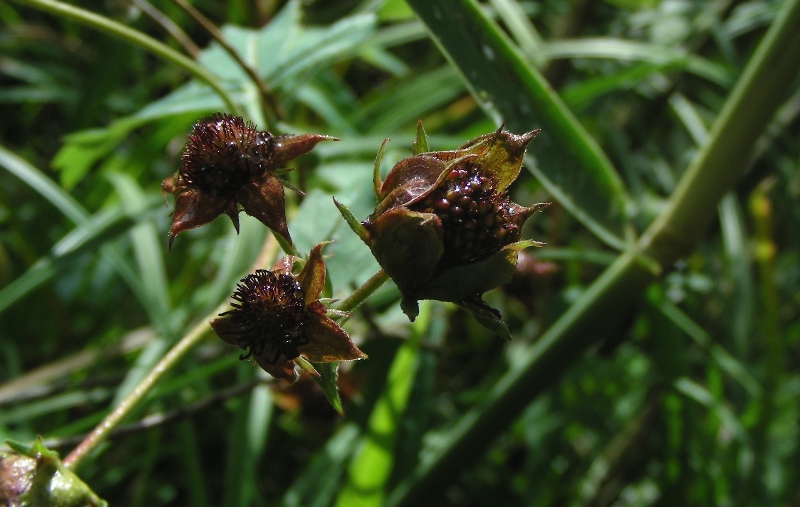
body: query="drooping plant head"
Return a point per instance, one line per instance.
(444, 227)
(227, 163)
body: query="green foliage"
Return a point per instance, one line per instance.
(654, 340)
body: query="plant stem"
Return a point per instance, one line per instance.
(136, 38)
(360, 294)
(112, 420)
(762, 88)
(167, 24)
(170, 359)
(269, 105)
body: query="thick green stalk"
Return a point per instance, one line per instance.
(763, 87)
(136, 38)
(360, 294)
(755, 99)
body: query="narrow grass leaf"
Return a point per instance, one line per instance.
(148, 250)
(626, 50)
(100, 229)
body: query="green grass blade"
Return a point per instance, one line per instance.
(48, 189)
(99, 229)
(762, 88)
(618, 49)
(570, 163)
(136, 38)
(149, 247)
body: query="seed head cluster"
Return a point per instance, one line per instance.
(219, 144)
(269, 312)
(475, 221)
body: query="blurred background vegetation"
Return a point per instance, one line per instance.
(688, 397)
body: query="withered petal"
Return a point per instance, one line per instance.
(282, 368)
(233, 214)
(265, 201)
(451, 166)
(500, 155)
(288, 147)
(486, 316)
(226, 330)
(408, 179)
(327, 341)
(283, 265)
(194, 208)
(312, 277)
(518, 214)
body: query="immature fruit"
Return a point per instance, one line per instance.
(268, 314)
(444, 227)
(475, 222)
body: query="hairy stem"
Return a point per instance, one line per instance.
(360, 294)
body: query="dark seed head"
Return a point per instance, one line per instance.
(223, 154)
(269, 313)
(473, 217)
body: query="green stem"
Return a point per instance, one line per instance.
(360, 294)
(112, 420)
(136, 38)
(761, 89)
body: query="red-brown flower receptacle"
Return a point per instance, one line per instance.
(277, 316)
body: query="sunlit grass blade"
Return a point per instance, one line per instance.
(44, 186)
(626, 50)
(414, 98)
(374, 458)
